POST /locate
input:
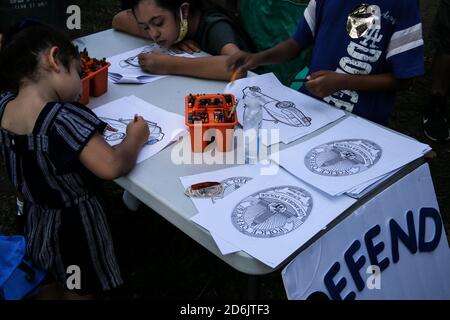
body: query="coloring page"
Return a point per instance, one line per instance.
(293, 113)
(231, 179)
(270, 217)
(164, 126)
(350, 154)
(125, 67)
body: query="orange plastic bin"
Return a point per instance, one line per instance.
(209, 115)
(99, 81)
(85, 84)
(95, 82)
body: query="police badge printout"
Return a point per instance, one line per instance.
(349, 154)
(232, 179)
(270, 217)
(293, 113)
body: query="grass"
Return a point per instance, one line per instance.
(97, 15)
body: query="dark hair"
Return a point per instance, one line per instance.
(200, 6)
(20, 49)
(174, 5)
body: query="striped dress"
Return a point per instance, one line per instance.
(66, 223)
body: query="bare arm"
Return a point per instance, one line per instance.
(325, 83)
(282, 52)
(212, 67)
(376, 82)
(206, 67)
(126, 22)
(108, 162)
(243, 61)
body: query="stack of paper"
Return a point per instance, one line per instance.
(350, 157)
(125, 67)
(165, 127)
(364, 188)
(269, 217)
(291, 112)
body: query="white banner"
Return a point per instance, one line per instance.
(393, 247)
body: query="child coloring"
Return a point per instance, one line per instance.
(55, 156)
(184, 25)
(362, 53)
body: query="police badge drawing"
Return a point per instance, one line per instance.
(272, 212)
(291, 112)
(270, 217)
(350, 154)
(231, 179)
(343, 158)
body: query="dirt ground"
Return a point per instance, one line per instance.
(183, 269)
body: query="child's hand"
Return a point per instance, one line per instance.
(155, 62)
(188, 46)
(110, 128)
(324, 83)
(242, 61)
(138, 129)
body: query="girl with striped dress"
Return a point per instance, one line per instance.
(55, 157)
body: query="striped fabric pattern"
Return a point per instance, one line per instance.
(44, 168)
(310, 16)
(405, 40)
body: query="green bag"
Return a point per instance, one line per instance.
(269, 22)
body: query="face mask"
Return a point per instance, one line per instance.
(183, 28)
